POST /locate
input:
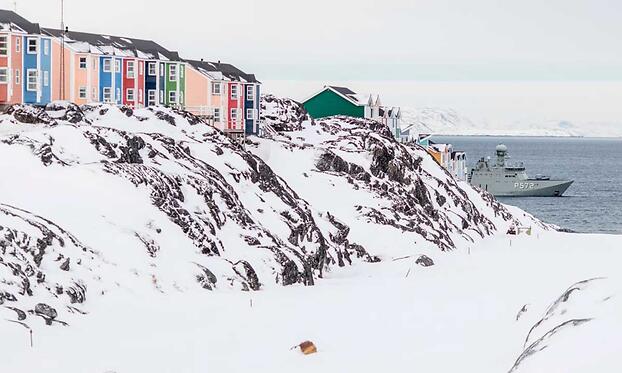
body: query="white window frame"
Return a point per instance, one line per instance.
(216, 89)
(172, 72)
(82, 93)
(161, 97)
(83, 63)
(140, 95)
(18, 44)
(235, 92)
(4, 45)
(172, 97)
(46, 47)
(129, 94)
(131, 69)
(95, 63)
(4, 75)
(162, 69)
(29, 45)
(152, 69)
(18, 77)
(181, 97)
(181, 72)
(250, 93)
(117, 66)
(32, 86)
(118, 95)
(107, 95)
(250, 114)
(107, 65)
(94, 94)
(46, 78)
(152, 100)
(141, 68)
(234, 115)
(217, 118)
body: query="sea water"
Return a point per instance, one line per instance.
(593, 204)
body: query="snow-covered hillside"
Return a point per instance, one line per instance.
(146, 241)
(440, 121)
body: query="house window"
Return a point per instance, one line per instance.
(130, 69)
(172, 73)
(250, 114)
(46, 78)
(117, 66)
(151, 97)
(129, 95)
(216, 114)
(118, 95)
(94, 94)
(234, 92)
(181, 72)
(33, 45)
(18, 44)
(161, 69)
(94, 64)
(82, 93)
(140, 68)
(83, 62)
(46, 47)
(32, 82)
(250, 93)
(172, 97)
(181, 97)
(140, 95)
(234, 115)
(216, 89)
(107, 94)
(4, 45)
(18, 78)
(107, 64)
(161, 97)
(151, 69)
(4, 75)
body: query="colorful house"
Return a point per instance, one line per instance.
(334, 100)
(25, 61)
(338, 101)
(40, 65)
(227, 96)
(120, 70)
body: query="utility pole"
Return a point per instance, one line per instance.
(61, 86)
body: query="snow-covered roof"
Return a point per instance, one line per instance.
(114, 45)
(11, 21)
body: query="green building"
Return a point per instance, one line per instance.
(338, 101)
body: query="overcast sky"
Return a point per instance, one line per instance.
(369, 39)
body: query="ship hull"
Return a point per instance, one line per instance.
(529, 188)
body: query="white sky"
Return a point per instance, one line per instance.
(369, 39)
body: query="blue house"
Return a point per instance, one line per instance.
(111, 79)
(37, 82)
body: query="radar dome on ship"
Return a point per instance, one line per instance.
(502, 148)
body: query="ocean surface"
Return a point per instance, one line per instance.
(593, 204)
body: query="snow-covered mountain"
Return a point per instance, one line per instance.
(441, 121)
(144, 240)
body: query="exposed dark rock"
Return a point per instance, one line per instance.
(424, 261)
(46, 311)
(65, 265)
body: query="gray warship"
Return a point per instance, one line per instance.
(504, 179)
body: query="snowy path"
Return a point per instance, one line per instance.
(456, 316)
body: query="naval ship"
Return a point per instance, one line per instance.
(510, 180)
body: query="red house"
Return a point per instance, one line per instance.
(133, 82)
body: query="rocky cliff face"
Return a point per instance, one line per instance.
(100, 198)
